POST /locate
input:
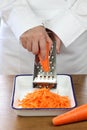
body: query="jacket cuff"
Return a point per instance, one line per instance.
(22, 20)
(67, 28)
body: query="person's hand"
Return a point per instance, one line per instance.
(35, 39)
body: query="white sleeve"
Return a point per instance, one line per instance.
(20, 17)
(71, 24)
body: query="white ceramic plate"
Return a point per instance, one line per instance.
(23, 85)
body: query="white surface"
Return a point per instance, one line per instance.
(23, 85)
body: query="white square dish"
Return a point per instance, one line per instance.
(23, 85)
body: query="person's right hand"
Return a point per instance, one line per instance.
(35, 39)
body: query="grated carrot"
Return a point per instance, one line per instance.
(45, 62)
(44, 98)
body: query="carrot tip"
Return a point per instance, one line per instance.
(45, 62)
(75, 115)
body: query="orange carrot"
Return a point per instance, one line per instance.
(75, 115)
(44, 98)
(45, 62)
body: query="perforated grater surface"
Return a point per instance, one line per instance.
(46, 79)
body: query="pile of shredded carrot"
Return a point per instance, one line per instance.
(44, 98)
(45, 62)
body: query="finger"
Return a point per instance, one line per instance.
(35, 47)
(49, 41)
(29, 45)
(42, 45)
(58, 44)
(23, 42)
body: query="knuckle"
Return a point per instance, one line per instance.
(42, 36)
(24, 36)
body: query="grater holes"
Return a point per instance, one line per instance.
(52, 57)
(50, 62)
(48, 57)
(52, 67)
(52, 77)
(37, 67)
(44, 77)
(51, 72)
(48, 76)
(52, 47)
(40, 76)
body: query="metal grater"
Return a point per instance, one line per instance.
(46, 79)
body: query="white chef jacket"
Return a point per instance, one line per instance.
(67, 18)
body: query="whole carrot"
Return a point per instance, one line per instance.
(75, 115)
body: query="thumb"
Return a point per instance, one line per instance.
(49, 41)
(58, 44)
